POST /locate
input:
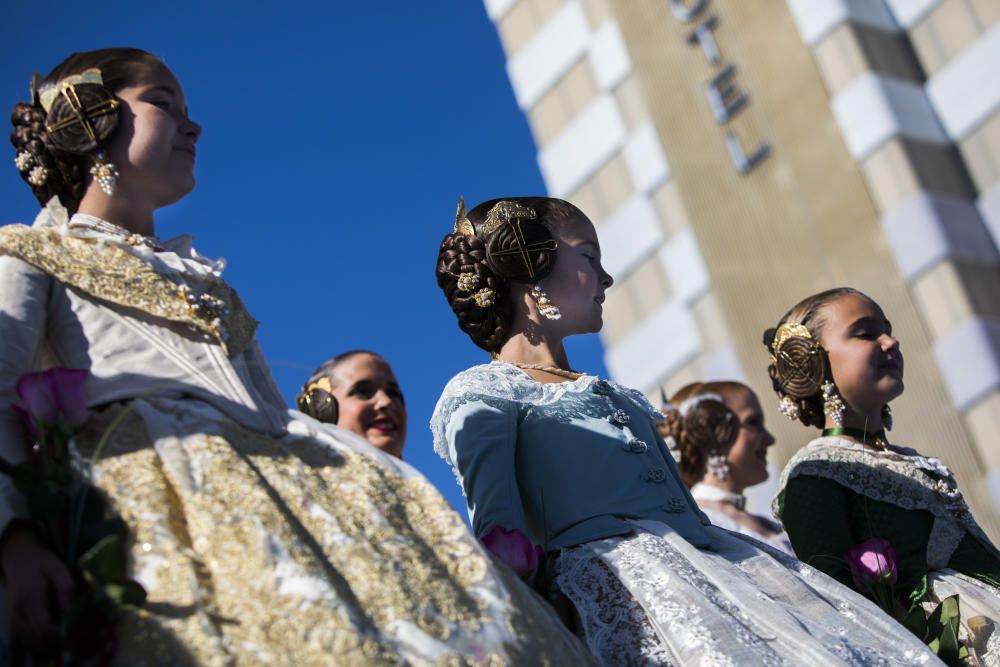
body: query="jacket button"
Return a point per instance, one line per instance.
(619, 417)
(655, 475)
(601, 387)
(675, 506)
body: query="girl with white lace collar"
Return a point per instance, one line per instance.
(717, 432)
(836, 365)
(568, 481)
(258, 534)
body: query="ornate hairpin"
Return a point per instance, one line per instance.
(690, 403)
(462, 224)
(504, 212)
(48, 96)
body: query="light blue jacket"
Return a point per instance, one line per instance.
(565, 463)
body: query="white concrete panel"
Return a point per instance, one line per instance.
(909, 13)
(993, 483)
(596, 134)
(498, 8)
(816, 18)
(874, 108)
(759, 497)
(557, 45)
(966, 91)
(644, 158)
(630, 234)
(655, 348)
(969, 360)
(925, 229)
(723, 364)
(609, 56)
(685, 267)
(989, 208)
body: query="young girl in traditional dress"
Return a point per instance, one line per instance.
(836, 365)
(717, 431)
(260, 535)
(550, 458)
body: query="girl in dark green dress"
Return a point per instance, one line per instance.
(835, 365)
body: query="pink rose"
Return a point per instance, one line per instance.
(52, 397)
(872, 562)
(514, 548)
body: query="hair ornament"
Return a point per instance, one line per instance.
(319, 383)
(48, 96)
(485, 297)
(81, 112)
(462, 224)
(505, 212)
(800, 367)
(38, 175)
(690, 403)
(24, 161)
(789, 408)
(36, 80)
(468, 281)
(786, 331)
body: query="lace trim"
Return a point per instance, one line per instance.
(899, 476)
(498, 383)
(113, 272)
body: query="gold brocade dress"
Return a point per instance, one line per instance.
(260, 535)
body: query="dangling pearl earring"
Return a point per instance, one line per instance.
(718, 467)
(104, 173)
(833, 407)
(548, 309)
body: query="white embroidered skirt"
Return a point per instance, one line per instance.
(652, 598)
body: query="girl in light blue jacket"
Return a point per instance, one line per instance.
(557, 461)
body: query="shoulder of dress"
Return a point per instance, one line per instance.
(640, 399)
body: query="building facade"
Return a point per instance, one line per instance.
(737, 156)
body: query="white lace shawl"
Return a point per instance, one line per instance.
(501, 382)
(902, 477)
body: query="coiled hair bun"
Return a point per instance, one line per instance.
(701, 425)
(498, 243)
(799, 366)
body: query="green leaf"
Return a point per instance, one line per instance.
(916, 621)
(949, 646)
(920, 590)
(105, 561)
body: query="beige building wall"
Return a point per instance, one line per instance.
(737, 156)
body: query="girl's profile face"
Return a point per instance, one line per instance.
(154, 148)
(865, 359)
(748, 456)
(578, 282)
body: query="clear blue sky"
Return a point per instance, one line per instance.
(337, 138)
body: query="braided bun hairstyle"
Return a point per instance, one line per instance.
(706, 428)
(799, 365)
(57, 163)
(499, 243)
(315, 398)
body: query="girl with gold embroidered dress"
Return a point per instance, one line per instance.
(260, 535)
(836, 365)
(556, 460)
